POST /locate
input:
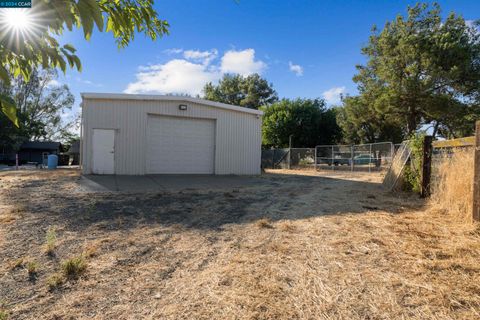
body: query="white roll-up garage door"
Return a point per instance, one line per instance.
(178, 145)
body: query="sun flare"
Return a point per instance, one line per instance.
(18, 19)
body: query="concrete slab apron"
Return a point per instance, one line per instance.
(154, 183)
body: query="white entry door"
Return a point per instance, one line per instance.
(103, 151)
(180, 145)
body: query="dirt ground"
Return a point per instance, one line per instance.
(298, 245)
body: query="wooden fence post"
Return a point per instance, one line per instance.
(476, 175)
(426, 166)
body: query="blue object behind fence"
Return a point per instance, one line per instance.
(52, 161)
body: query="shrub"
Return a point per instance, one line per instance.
(74, 267)
(412, 175)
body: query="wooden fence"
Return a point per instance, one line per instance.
(403, 154)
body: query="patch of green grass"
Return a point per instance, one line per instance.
(16, 264)
(74, 267)
(55, 281)
(32, 268)
(3, 315)
(51, 241)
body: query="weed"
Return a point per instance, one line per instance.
(32, 268)
(19, 209)
(74, 267)
(16, 264)
(51, 241)
(90, 250)
(3, 315)
(55, 281)
(7, 218)
(264, 223)
(288, 227)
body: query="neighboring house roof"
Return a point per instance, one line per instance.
(75, 147)
(40, 145)
(124, 96)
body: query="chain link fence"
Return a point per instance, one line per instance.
(275, 158)
(364, 157)
(293, 158)
(371, 157)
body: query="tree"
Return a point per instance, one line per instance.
(251, 91)
(41, 107)
(361, 123)
(422, 70)
(22, 52)
(308, 121)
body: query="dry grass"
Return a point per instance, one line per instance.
(91, 250)
(452, 190)
(293, 247)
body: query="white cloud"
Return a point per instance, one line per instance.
(241, 62)
(204, 56)
(295, 68)
(333, 95)
(88, 82)
(190, 74)
(173, 51)
(175, 76)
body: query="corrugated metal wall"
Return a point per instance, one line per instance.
(238, 134)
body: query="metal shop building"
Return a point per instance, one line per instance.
(152, 134)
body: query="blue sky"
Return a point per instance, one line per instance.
(305, 48)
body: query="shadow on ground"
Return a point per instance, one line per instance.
(155, 183)
(200, 202)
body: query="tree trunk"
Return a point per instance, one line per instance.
(411, 124)
(435, 129)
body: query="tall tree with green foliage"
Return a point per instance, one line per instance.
(308, 121)
(22, 52)
(420, 70)
(251, 91)
(42, 105)
(361, 123)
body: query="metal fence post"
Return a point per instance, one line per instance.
(476, 175)
(289, 158)
(315, 162)
(370, 159)
(392, 152)
(333, 163)
(352, 154)
(290, 151)
(273, 159)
